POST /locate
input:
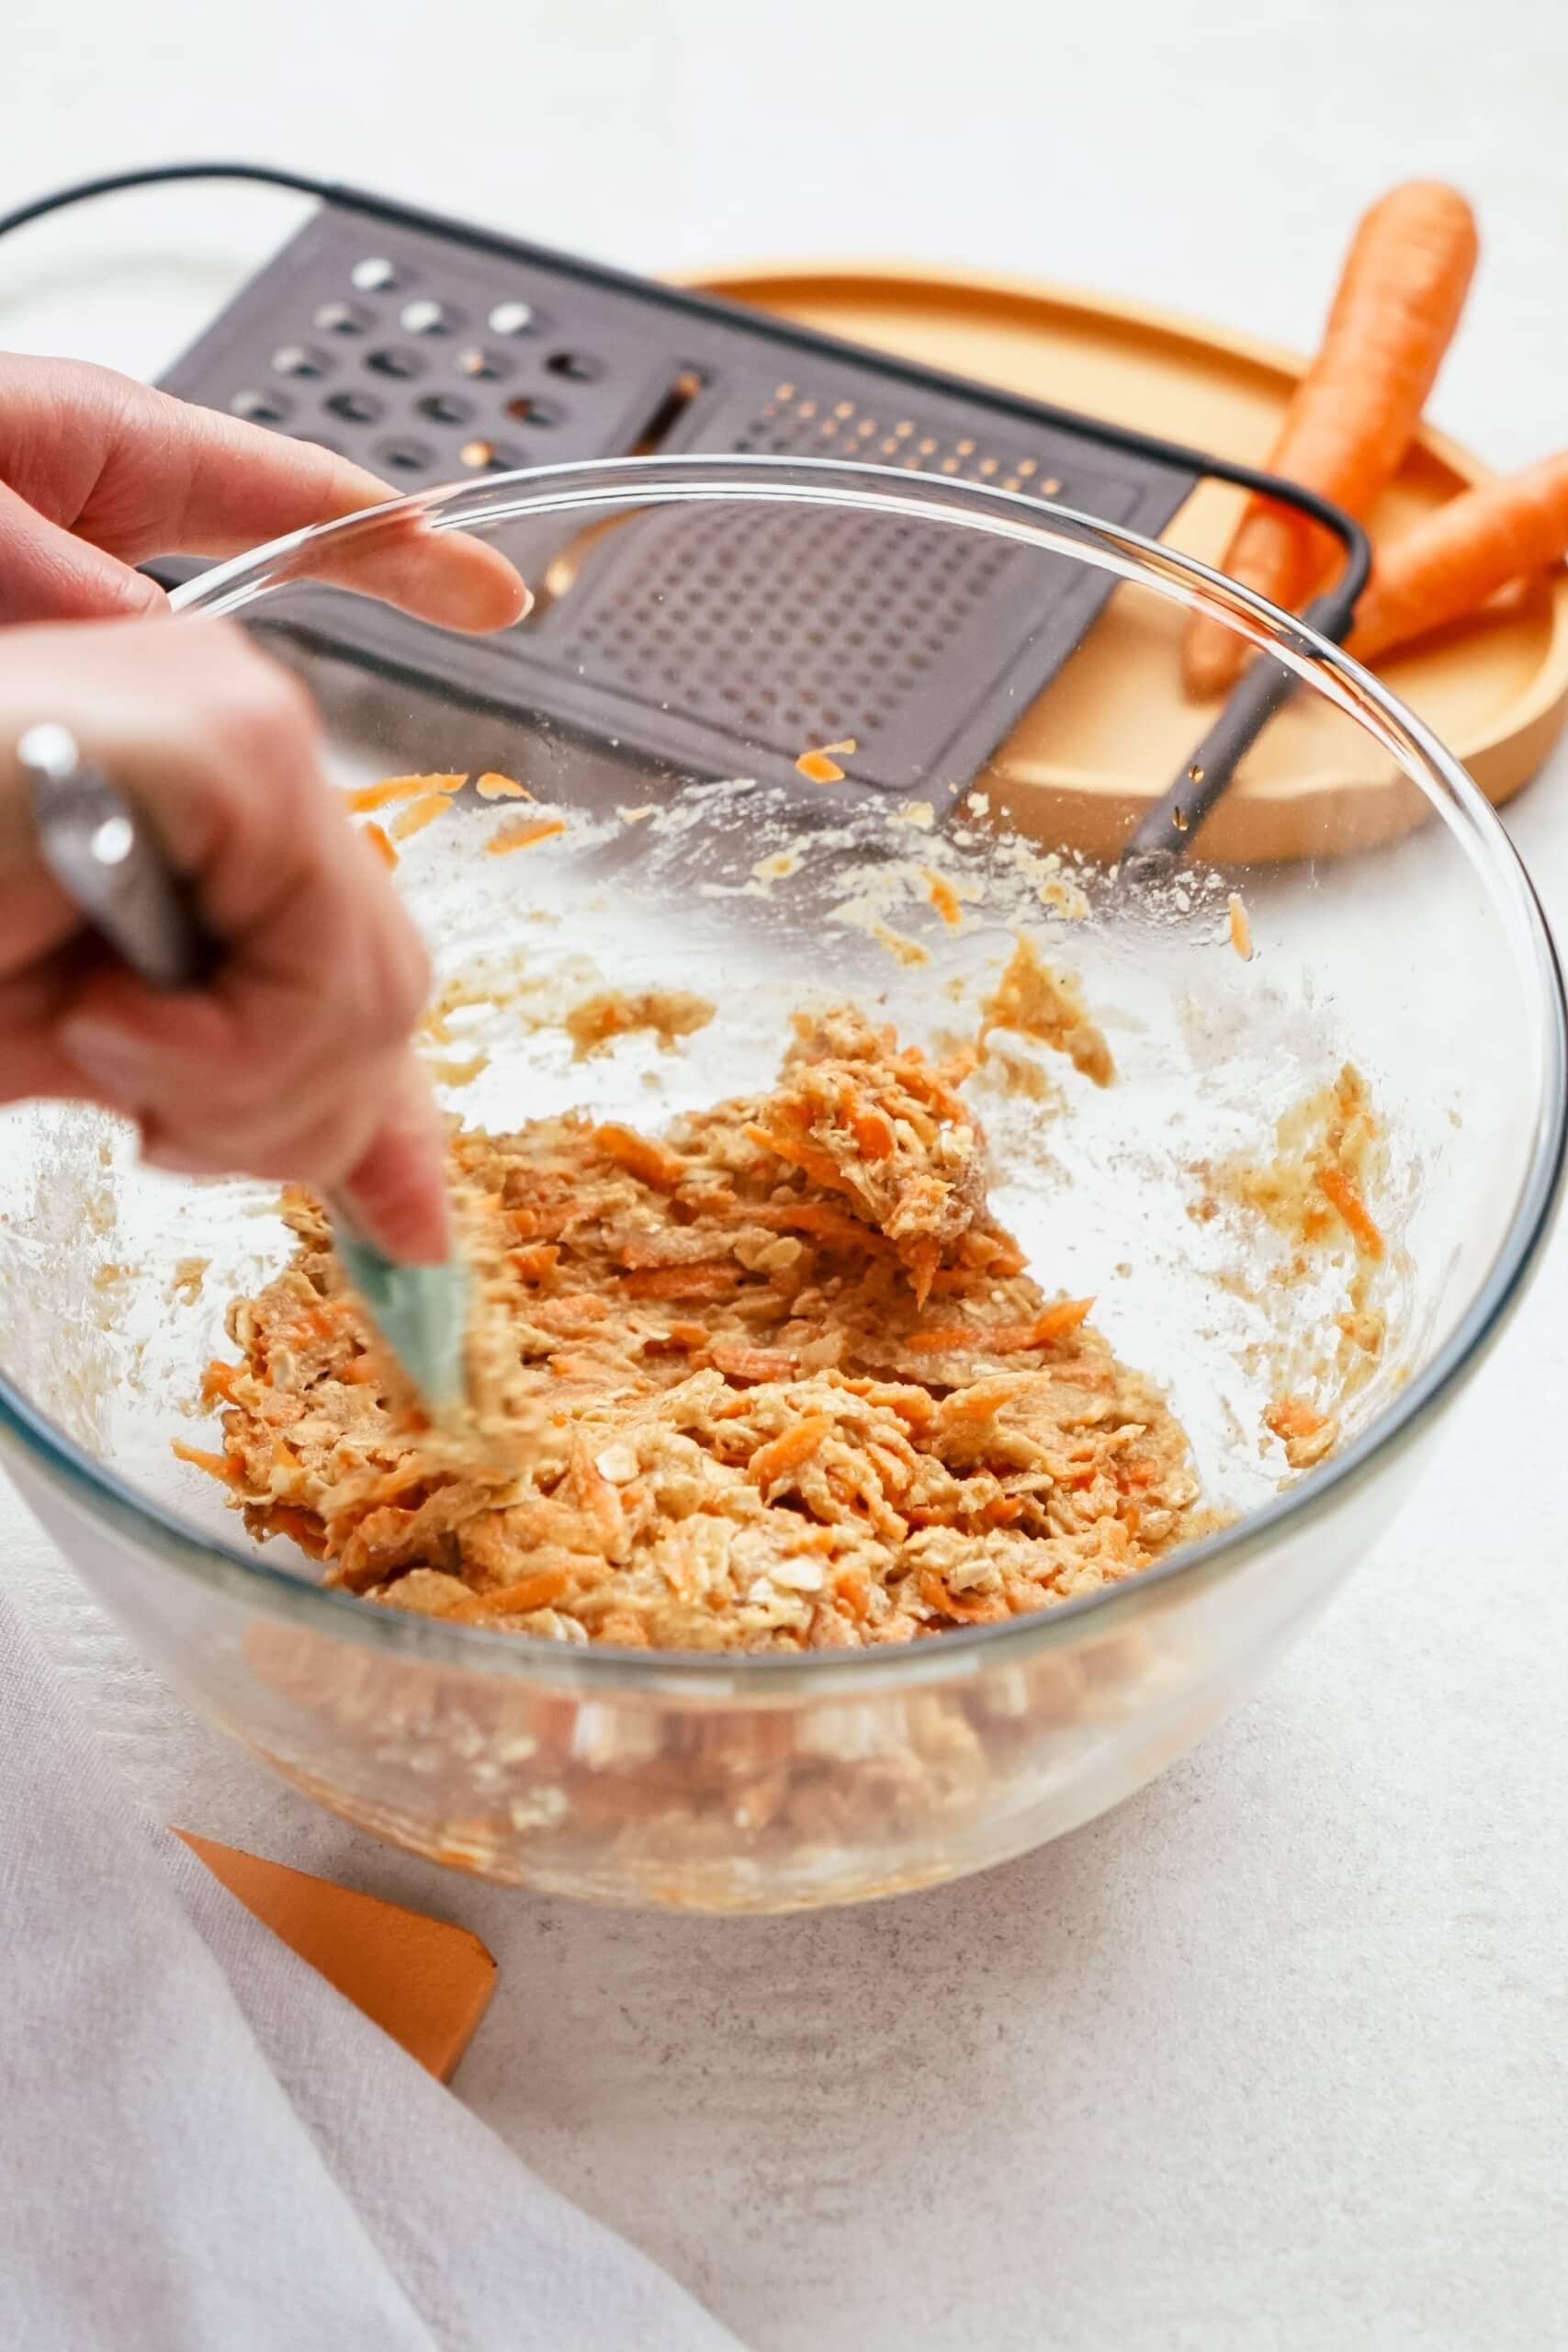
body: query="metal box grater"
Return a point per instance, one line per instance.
(428, 353)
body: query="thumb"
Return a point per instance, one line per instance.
(47, 575)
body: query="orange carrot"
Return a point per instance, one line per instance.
(873, 1132)
(820, 1219)
(639, 1156)
(782, 1455)
(710, 1278)
(216, 1465)
(303, 1526)
(381, 843)
(804, 1156)
(524, 835)
(944, 897)
(983, 1609)
(398, 787)
(1357, 408)
(754, 1364)
(1463, 553)
(1337, 1186)
(418, 814)
(516, 1599)
(1004, 1338)
(219, 1380)
(492, 787)
(818, 768)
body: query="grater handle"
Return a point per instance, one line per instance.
(1165, 831)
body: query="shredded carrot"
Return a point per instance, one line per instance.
(219, 1380)
(1064, 1316)
(873, 1132)
(302, 1526)
(1337, 1186)
(492, 787)
(418, 814)
(516, 1599)
(536, 1263)
(804, 1156)
(923, 1260)
(1462, 554)
(821, 1220)
(983, 1610)
(362, 1372)
(524, 834)
(1003, 1338)
(754, 1364)
(944, 897)
(216, 1465)
(1240, 927)
(381, 841)
(1357, 408)
(818, 768)
(853, 1588)
(780, 1455)
(365, 797)
(710, 1278)
(686, 1337)
(651, 1162)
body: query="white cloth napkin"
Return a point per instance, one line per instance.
(205, 2148)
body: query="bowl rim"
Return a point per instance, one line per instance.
(92, 1490)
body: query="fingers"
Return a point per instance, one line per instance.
(136, 473)
(398, 1186)
(47, 575)
(295, 1062)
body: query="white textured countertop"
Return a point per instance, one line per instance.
(1274, 2056)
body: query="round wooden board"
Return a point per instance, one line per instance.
(1494, 689)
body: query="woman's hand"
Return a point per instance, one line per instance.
(295, 1061)
(99, 473)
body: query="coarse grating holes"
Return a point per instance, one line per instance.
(260, 407)
(527, 410)
(356, 407)
(342, 318)
(426, 316)
(373, 275)
(577, 366)
(299, 359)
(513, 318)
(445, 408)
(486, 365)
(402, 365)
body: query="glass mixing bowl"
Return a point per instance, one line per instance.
(698, 624)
